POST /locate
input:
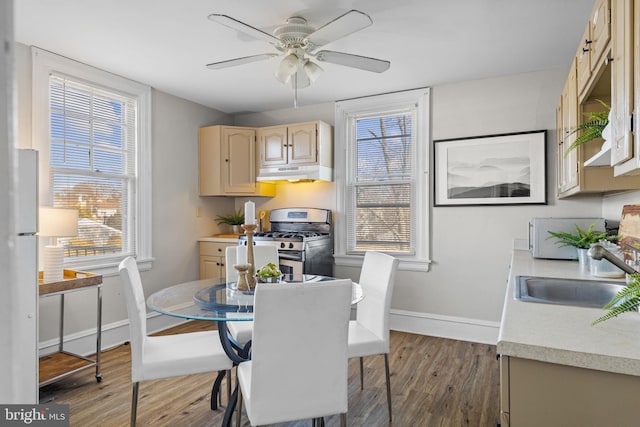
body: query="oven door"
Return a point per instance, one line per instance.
(290, 264)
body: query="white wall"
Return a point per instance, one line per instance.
(612, 205)
(463, 293)
(175, 199)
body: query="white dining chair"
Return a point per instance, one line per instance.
(156, 357)
(241, 330)
(298, 368)
(369, 332)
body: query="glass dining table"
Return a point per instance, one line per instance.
(221, 302)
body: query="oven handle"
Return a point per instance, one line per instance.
(289, 257)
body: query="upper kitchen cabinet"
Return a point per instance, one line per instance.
(625, 144)
(592, 58)
(567, 118)
(287, 148)
(227, 162)
(588, 168)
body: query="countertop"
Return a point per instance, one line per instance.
(564, 334)
(220, 238)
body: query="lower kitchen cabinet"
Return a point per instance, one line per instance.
(534, 393)
(212, 259)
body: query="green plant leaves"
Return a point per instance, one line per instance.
(627, 300)
(592, 128)
(582, 239)
(236, 218)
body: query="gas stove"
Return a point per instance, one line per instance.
(291, 235)
(303, 237)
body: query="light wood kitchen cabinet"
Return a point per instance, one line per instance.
(534, 393)
(625, 144)
(212, 259)
(590, 79)
(591, 58)
(227, 156)
(568, 160)
(306, 143)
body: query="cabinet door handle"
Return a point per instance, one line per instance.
(226, 160)
(587, 42)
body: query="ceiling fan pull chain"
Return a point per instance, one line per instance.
(295, 90)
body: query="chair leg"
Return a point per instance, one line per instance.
(239, 415)
(361, 373)
(134, 404)
(228, 385)
(386, 369)
(343, 420)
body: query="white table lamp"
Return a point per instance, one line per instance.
(56, 222)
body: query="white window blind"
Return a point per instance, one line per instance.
(381, 184)
(382, 178)
(93, 165)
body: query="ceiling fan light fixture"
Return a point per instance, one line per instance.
(287, 68)
(312, 70)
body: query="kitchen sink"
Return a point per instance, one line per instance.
(578, 292)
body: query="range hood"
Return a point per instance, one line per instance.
(296, 173)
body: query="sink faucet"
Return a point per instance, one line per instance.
(597, 252)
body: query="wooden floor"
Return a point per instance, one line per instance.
(434, 382)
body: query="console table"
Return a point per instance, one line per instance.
(62, 363)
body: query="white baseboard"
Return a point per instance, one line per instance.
(457, 328)
(113, 334)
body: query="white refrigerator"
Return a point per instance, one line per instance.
(27, 275)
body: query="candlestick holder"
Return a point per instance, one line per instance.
(249, 229)
(242, 284)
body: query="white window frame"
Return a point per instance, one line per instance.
(345, 114)
(45, 63)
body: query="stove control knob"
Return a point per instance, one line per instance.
(282, 245)
(290, 245)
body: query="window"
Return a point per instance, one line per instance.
(91, 128)
(382, 177)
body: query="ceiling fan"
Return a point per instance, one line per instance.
(298, 42)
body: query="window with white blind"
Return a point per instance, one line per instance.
(94, 137)
(382, 178)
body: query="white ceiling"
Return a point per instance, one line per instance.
(166, 43)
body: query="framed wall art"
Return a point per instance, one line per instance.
(506, 169)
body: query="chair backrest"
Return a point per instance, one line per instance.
(377, 279)
(262, 255)
(136, 309)
(299, 350)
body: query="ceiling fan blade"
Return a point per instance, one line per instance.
(240, 61)
(233, 23)
(354, 61)
(343, 25)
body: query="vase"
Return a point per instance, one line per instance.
(583, 260)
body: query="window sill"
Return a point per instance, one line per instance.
(108, 267)
(406, 264)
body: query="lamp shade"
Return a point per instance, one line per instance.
(287, 68)
(58, 222)
(312, 70)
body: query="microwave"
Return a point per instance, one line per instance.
(543, 245)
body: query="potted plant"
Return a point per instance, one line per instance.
(235, 220)
(592, 128)
(269, 273)
(581, 240)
